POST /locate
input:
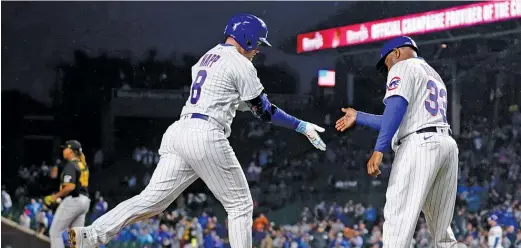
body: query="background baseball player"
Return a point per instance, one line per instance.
(73, 190)
(495, 233)
(224, 79)
(424, 171)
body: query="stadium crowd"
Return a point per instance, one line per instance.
(288, 177)
(488, 186)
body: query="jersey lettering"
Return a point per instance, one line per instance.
(437, 102)
(208, 59)
(197, 85)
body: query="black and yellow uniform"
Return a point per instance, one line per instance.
(76, 172)
(74, 207)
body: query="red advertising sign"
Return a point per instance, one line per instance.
(420, 23)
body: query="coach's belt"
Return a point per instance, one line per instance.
(443, 130)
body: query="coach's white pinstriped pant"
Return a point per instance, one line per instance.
(191, 148)
(424, 178)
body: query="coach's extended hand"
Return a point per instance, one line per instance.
(347, 121)
(310, 130)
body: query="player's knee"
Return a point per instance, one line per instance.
(244, 207)
(249, 205)
(239, 207)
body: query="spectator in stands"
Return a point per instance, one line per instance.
(98, 158)
(517, 243)
(50, 217)
(164, 236)
(132, 181)
(138, 154)
(320, 237)
(25, 219)
(7, 204)
(198, 230)
(254, 172)
(34, 207)
(339, 242)
(99, 209)
(260, 223)
(146, 178)
(44, 169)
(204, 219)
(42, 221)
(370, 214)
(144, 237)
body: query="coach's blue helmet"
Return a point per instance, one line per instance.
(389, 46)
(248, 30)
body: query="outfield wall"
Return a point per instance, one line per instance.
(16, 236)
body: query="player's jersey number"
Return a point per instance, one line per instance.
(196, 86)
(437, 102)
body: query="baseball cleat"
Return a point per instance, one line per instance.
(78, 238)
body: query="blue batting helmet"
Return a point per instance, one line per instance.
(248, 30)
(400, 41)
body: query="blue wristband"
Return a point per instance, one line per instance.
(279, 117)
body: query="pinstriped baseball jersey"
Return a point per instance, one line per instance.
(222, 78)
(425, 92)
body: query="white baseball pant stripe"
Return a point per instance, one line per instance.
(191, 148)
(424, 178)
(70, 213)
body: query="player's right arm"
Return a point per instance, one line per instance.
(252, 93)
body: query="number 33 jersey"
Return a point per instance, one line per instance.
(222, 80)
(425, 92)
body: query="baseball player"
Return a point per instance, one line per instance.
(424, 171)
(74, 192)
(495, 233)
(224, 80)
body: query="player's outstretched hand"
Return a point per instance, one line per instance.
(311, 131)
(347, 121)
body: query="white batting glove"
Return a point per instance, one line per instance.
(310, 130)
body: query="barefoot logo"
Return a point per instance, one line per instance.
(309, 44)
(359, 36)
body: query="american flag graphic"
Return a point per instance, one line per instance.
(326, 78)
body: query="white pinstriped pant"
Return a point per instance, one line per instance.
(191, 148)
(424, 178)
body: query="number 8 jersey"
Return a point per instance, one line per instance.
(425, 92)
(222, 79)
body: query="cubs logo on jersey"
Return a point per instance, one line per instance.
(394, 83)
